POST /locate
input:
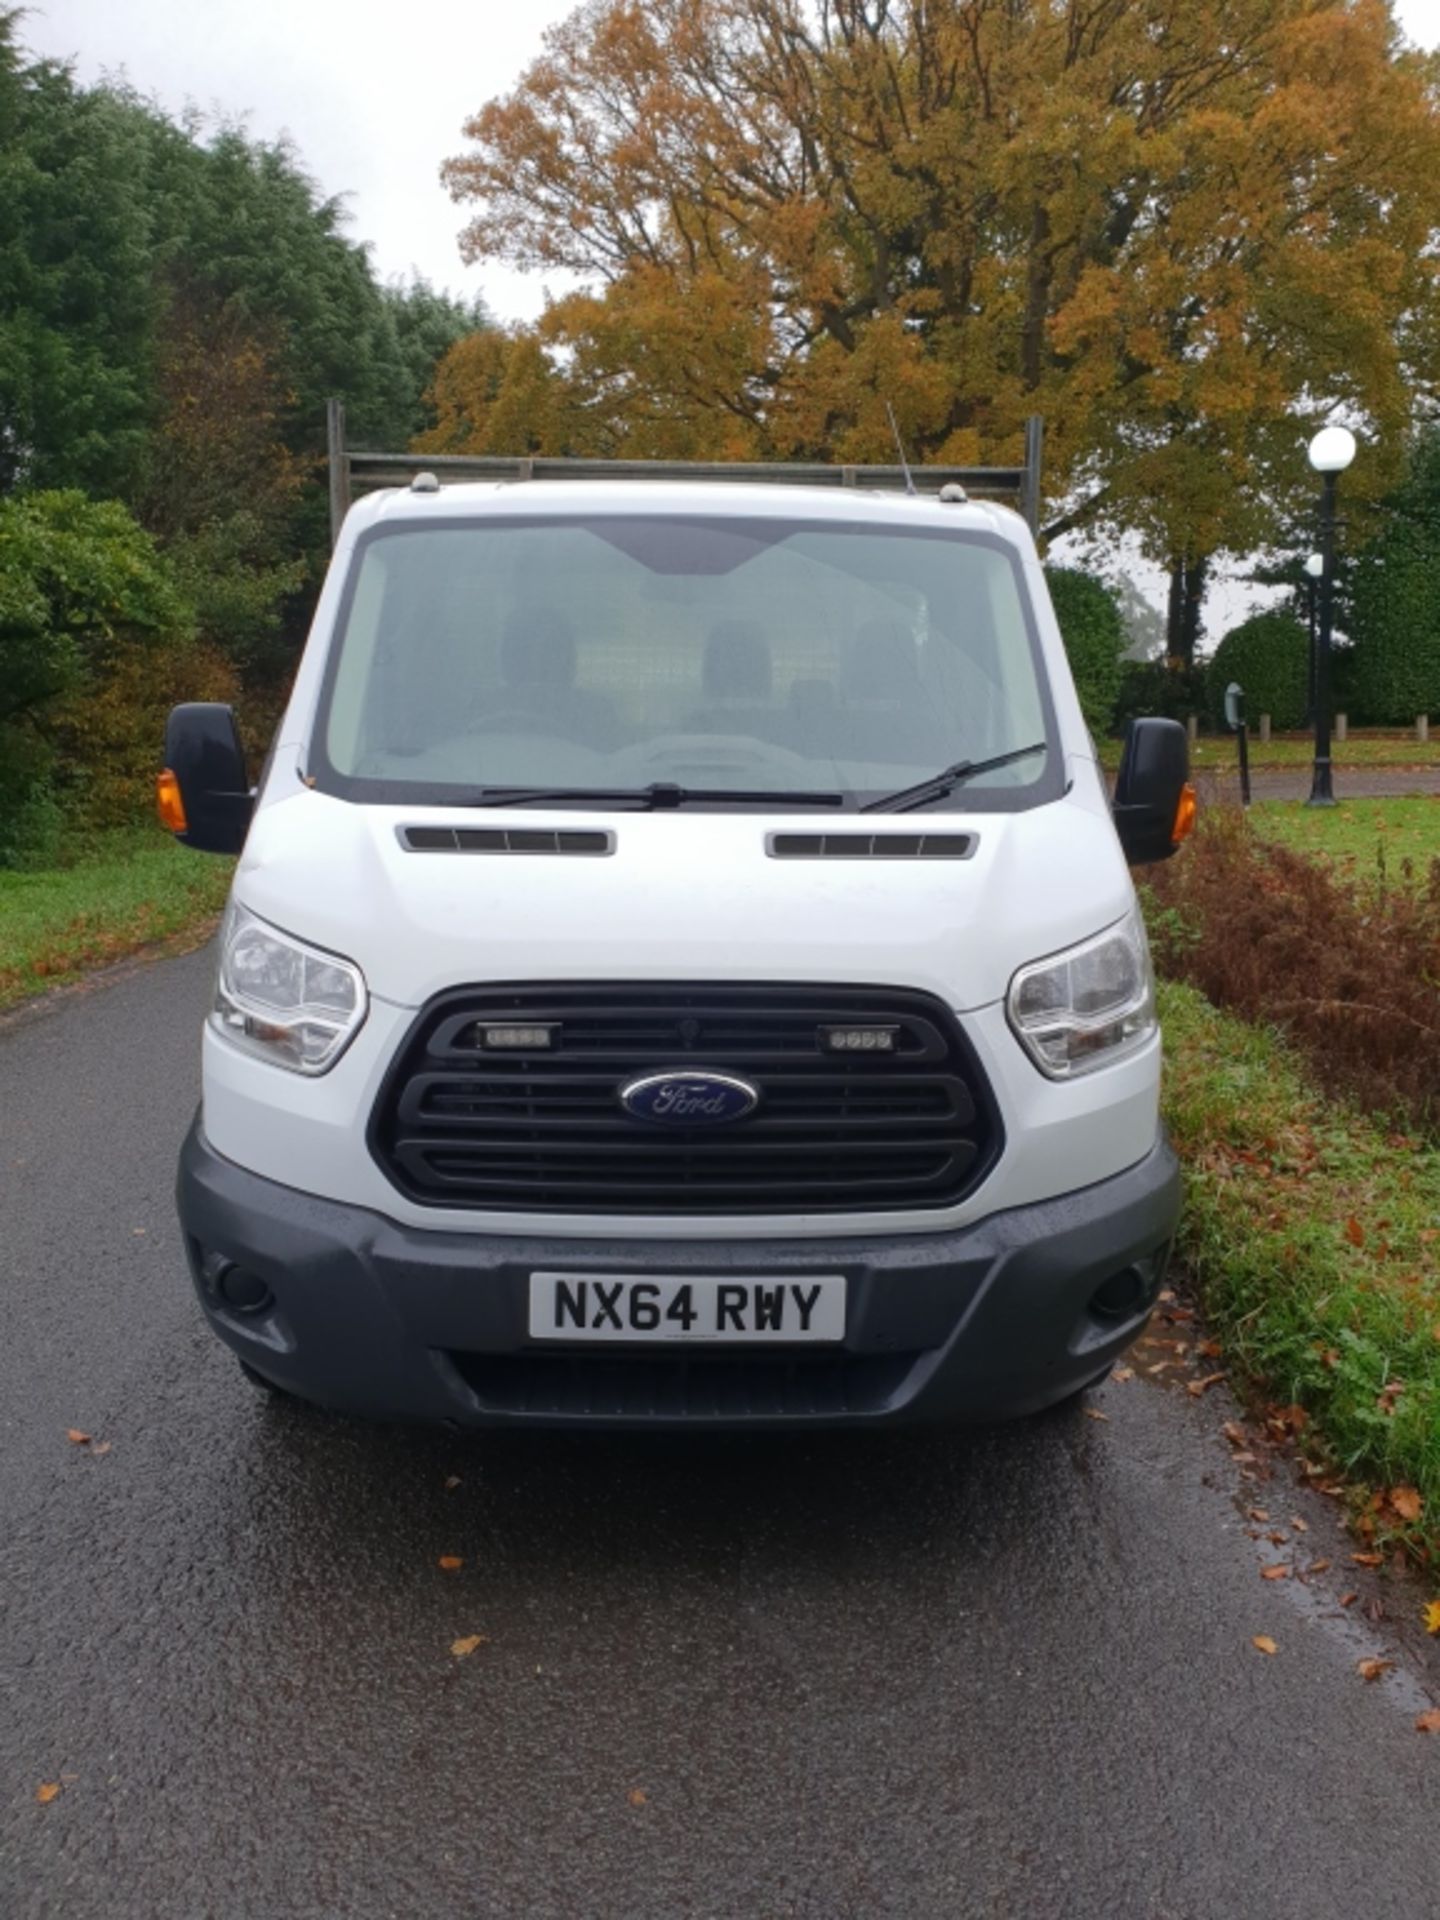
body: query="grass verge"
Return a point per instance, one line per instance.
(126, 890)
(1312, 1230)
(1368, 839)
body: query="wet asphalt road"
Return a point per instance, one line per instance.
(1003, 1673)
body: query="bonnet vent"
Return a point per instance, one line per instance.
(870, 846)
(505, 840)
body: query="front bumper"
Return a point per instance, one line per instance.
(366, 1316)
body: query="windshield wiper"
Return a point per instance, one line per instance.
(660, 793)
(939, 784)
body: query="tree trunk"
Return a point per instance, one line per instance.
(1185, 604)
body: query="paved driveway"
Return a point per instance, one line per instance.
(1005, 1673)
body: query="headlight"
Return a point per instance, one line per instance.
(1088, 1006)
(288, 1003)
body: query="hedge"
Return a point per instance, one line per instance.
(1094, 637)
(1395, 605)
(1269, 655)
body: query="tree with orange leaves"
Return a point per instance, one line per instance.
(1183, 230)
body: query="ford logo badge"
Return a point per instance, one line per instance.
(689, 1099)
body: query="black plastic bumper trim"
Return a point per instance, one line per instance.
(369, 1314)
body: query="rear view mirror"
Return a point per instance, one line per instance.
(1154, 803)
(204, 794)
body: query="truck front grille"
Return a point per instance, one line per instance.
(543, 1130)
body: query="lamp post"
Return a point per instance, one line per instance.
(1314, 567)
(1331, 452)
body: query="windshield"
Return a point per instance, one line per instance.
(614, 653)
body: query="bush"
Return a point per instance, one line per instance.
(109, 736)
(1155, 687)
(1348, 975)
(1094, 636)
(89, 615)
(1269, 655)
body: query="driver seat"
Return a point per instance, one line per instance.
(538, 658)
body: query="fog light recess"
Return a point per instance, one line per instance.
(1126, 1293)
(236, 1287)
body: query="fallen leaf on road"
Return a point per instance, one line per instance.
(1318, 1566)
(1234, 1433)
(1197, 1387)
(1407, 1502)
(1368, 1559)
(452, 1481)
(1372, 1669)
(1432, 1617)
(1348, 1599)
(1122, 1374)
(1261, 1514)
(637, 1796)
(1094, 1413)
(462, 1649)
(1300, 1526)
(1428, 1722)
(46, 1791)
(100, 1449)
(76, 1437)
(1277, 1538)
(1262, 1643)
(450, 1562)
(1211, 1349)
(1275, 1573)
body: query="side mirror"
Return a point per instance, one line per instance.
(204, 794)
(1154, 803)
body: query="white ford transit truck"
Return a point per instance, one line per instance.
(682, 968)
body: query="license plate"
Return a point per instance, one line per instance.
(642, 1307)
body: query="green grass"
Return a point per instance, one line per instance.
(1367, 839)
(1312, 1231)
(127, 890)
(1297, 750)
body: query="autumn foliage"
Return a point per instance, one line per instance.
(1179, 229)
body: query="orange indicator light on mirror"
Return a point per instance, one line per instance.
(1185, 814)
(168, 803)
